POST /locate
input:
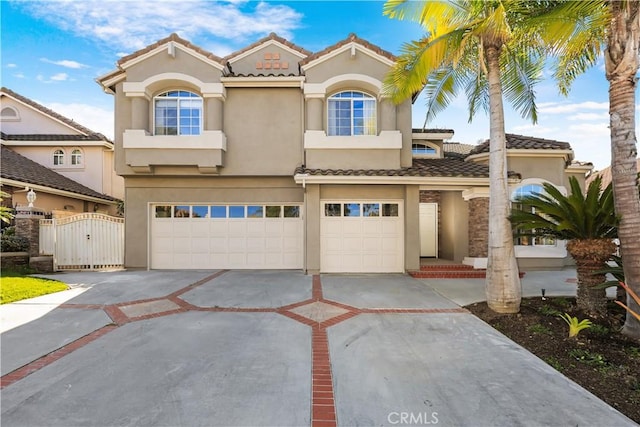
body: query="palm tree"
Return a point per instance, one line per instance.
(614, 25)
(487, 49)
(589, 224)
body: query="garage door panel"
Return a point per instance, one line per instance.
(223, 242)
(359, 244)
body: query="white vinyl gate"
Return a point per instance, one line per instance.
(87, 241)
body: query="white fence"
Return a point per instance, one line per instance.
(87, 241)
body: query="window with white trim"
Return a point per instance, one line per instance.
(9, 114)
(518, 193)
(423, 150)
(178, 112)
(76, 157)
(58, 157)
(351, 113)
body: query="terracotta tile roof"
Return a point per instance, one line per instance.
(606, 175)
(432, 130)
(457, 148)
(447, 167)
(271, 36)
(55, 115)
(19, 168)
(525, 143)
(352, 38)
(171, 38)
(52, 137)
(264, 75)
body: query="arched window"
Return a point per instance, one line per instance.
(518, 193)
(423, 150)
(351, 113)
(178, 112)
(76, 157)
(9, 114)
(58, 157)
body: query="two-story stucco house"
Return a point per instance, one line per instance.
(277, 157)
(68, 165)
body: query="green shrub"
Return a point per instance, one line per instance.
(9, 242)
(554, 363)
(537, 328)
(599, 330)
(547, 310)
(588, 358)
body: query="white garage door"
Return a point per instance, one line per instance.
(226, 236)
(361, 237)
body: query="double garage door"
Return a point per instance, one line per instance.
(355, 236)
(226, 236)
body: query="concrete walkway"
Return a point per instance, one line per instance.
(274, 348)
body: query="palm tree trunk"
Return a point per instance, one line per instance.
(503, 288)
(621, 61)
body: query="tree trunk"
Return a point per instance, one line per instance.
(590, 256)
(503, 288)
(621, 61)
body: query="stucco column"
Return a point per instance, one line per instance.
(214, 111)
(312, 212)
(412, 227)
(388, 114)
(140, 113)
(314, 114)
(478, 227)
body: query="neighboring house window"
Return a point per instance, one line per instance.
(58, 157)
(518, 193)
(9, 114)
(178, 112)
(423, 150)
(351, 113)
(76, 157)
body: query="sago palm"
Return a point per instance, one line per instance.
(488, 50)
(589, 224)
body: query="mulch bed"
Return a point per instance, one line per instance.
(600, 359)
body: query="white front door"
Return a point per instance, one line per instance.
(359, 236)
(213, 236)
(428, 229)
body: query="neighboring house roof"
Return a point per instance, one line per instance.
(51, 137)
(173, 37)
(88, 133)
(271, 36)
(457, 148)
(351, 38)
(19, 168)
(431, 130)
(522, 142)
(606, 175)
(447, 167)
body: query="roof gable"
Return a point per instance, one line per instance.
(269, 56)
(51, 123)
(353, 43)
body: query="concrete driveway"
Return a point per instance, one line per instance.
(273, 348)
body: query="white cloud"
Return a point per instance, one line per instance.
(589, 116)
(132, 25)
(537, 130)
(65, 63)
(555, 107)
(19, 75)
(60, 77)
(95, 118)
(11, 65)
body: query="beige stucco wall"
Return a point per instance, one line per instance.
(353, 159)
(144, 190)
(183, 62)
(454, 243)
(344, 63)
(550, 169)
(247, 64)
(50, 202)
(31, 121)
(264, 131)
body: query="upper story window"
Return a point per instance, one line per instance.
(58, 157)
(76, 157)
(351, 113)
(178, 112)
(423, 150)
(527, 190)
(9, 114)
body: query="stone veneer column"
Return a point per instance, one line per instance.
(140, 113)
(314, 113)
(28, 226)
(214, 111)
(478, 227)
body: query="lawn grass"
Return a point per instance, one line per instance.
(15, 286)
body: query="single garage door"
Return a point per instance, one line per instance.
(361, 237)
(211, 236)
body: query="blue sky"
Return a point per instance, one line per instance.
(53, 50)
